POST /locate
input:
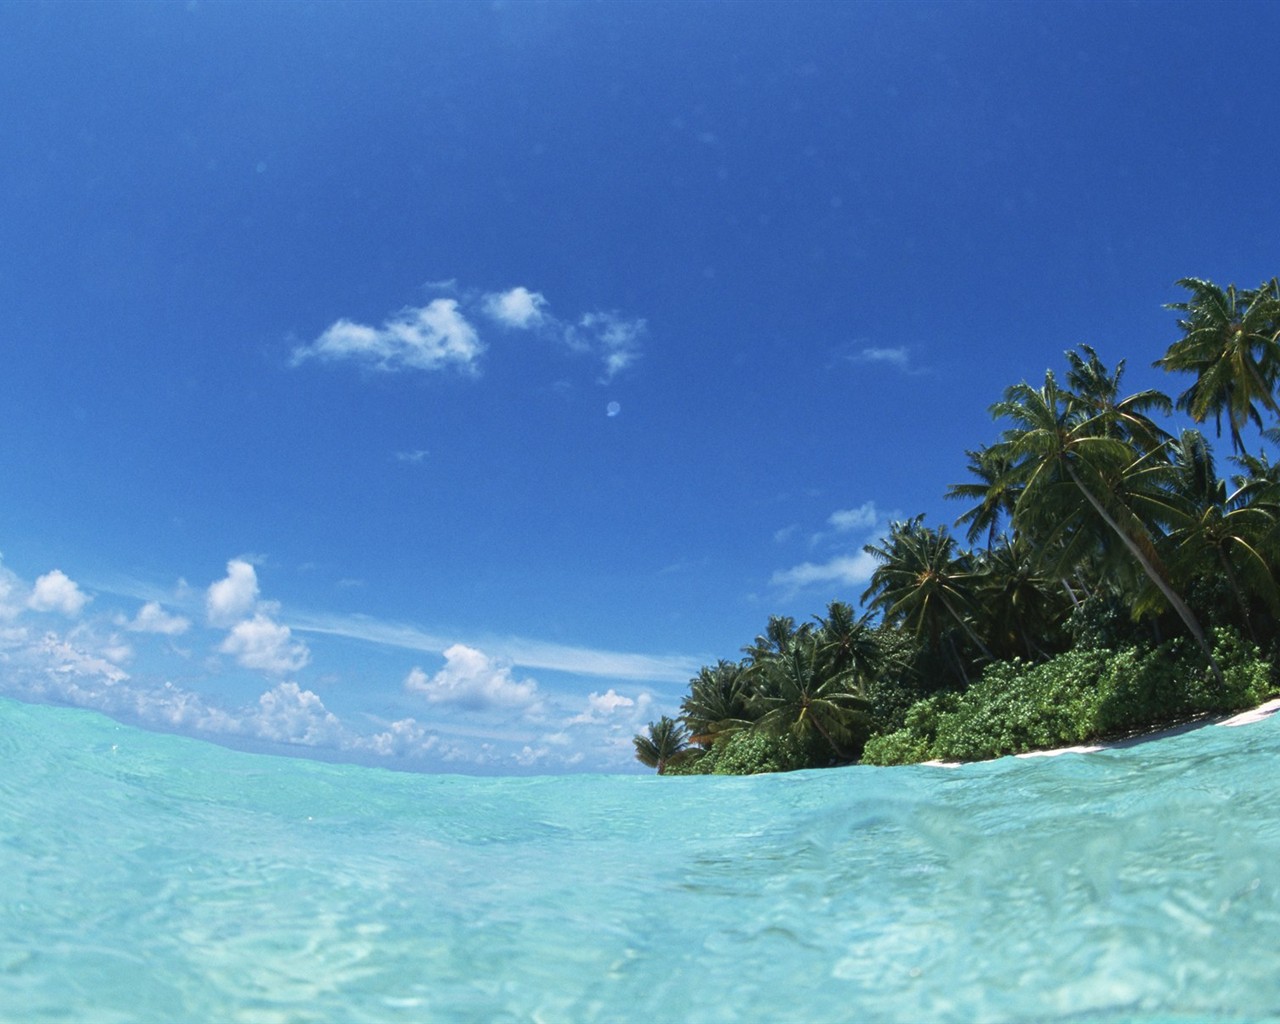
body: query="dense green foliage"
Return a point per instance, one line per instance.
(1076, 696)
(1117, 584)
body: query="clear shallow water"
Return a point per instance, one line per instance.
(147, 878)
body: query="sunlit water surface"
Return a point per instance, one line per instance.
(147, 878)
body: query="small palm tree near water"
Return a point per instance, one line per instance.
(662, 745)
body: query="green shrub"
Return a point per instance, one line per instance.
(914, 741)
(1249, 676)
(693, 761)
(901, 747)
(1145, 689)
(1017, 707)
(752, 752)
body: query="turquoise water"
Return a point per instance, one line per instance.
(152, 878)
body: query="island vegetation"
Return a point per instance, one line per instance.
(1108, 577)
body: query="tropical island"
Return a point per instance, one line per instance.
(1116, 581)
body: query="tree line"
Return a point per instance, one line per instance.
(1111, 579)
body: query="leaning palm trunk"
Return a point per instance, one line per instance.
(840, 752)
(968, 629)
(1175, 600)
(1075, 601)
(1238, 591)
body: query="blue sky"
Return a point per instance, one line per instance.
(438, 386)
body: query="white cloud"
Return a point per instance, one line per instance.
(847, 570)
(259, 643)
(234, 596)
(864, 517)
(82, 670)
(610, 337)
(518, 307)
(471, 679)
(290, 714)
(151, 618)
(174, 707)
(406, 737)
(63, 657)
(600, 706)
(65, 670)
(551, 754)
(430, 337)
(55, 592)
(439, 335)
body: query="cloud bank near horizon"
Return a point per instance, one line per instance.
(475, 712)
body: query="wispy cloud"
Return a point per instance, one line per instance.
(893, 356)
(896, 357)
(526, 653)
(843, 567)
(845, 570)
(11, 594)
(614, 339)
(67, 658)
(864, 517)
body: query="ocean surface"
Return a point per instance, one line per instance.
(146, 877)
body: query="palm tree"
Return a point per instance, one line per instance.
(1067, 457)
(922, 583)
(996, 490)
(1231, 342)
(1097, 391)
(664, 743)
(1018, 606)
(846, 644)
(996, 499)
(717, 702)
(1221, 533)
(779, 633)
(801, 698)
